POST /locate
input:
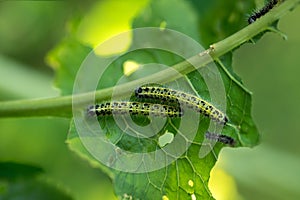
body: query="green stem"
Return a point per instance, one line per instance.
(62, 106)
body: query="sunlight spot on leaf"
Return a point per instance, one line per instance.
(120, 43)
(129, 67)
(163, 25)
(127, 197)
(191, 183)
(51, 61)
(106, 19)
(165, 197)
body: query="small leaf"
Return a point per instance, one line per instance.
(220, 19)
(20, 181)
(66, 59)
(11, 171)
(32, 189)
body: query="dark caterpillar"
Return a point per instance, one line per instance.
(133, 108)
(191, 101)
(257, 14)
(220, 138)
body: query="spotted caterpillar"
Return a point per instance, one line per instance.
(134, 108)
(191, 101)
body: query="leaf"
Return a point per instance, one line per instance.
(31, 189)
(220, 19)
(66, 59)
(187, 176)
(12, 171)
(19, 181)
(95, 27)
(155, 15)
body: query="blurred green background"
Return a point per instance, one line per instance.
(270, 69)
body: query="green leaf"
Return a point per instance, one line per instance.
(183, 178)
(156, 15)
(31, 189)
(66, 59)
(12, 171)
(186, 177)
(220, 19)
(20, 181)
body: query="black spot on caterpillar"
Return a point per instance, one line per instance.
(257, 14)
(191, 101)
(220, 138)
(133, 108)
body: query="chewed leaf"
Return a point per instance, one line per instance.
(160, 156)
(177, 172)
(181, 179)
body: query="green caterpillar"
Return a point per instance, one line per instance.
(191, 101)
(134, 108)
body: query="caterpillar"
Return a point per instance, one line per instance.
(220, 138)
(134, 108)
(257, 14)
(191, 101)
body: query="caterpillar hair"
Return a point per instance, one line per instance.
(257, 14)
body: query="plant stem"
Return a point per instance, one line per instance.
(62, 106)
